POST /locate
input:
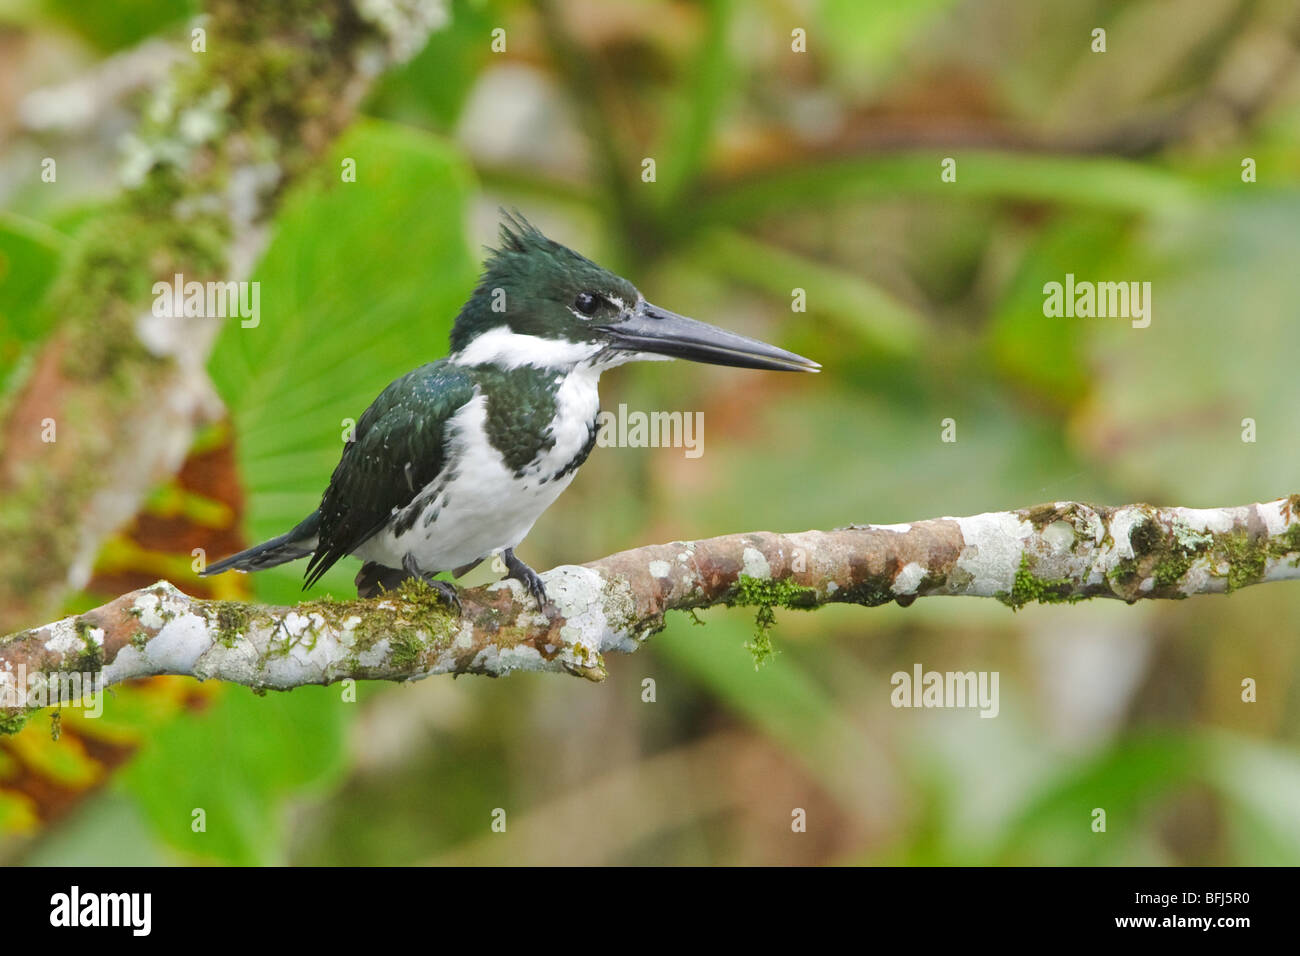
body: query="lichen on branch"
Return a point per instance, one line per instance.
(1058, 553)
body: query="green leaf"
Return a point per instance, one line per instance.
(865, 39)
(856, 304)
(237, 762)
(114, 26)
(1047, 355)
(1169, 413)
(1102, 182)
(29, 259)
(1125, 780)
(698, 104)
(1259, 782)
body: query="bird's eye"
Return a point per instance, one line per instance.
(586, 303)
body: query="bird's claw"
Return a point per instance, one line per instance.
(446, 590)
(526, 576)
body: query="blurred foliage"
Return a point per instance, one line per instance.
(29, 259)
(270, 746)
(109, 27)
(776, 172)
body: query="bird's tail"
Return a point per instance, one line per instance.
(290, 546)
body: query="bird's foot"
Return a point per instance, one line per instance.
(446, 590)
(526, 576)
(374, 579)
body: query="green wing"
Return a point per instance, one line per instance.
(400, 446)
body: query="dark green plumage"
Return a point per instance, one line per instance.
(520, 406)
(400, 447)
(407, 423)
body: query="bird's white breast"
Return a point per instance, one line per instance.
(482, 507)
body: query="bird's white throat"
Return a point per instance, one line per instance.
(507, 349)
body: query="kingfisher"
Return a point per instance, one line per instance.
(455, 461)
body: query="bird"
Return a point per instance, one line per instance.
(454, 462)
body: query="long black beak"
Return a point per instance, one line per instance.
(656, 330)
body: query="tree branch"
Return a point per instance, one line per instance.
(1055, 553)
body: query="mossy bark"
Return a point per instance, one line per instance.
(1056, 554)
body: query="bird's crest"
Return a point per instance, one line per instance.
(522, 243)
(518, 235)
(528, 284)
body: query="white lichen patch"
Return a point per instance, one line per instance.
(1187, 537)
(128, 663)
(300, 666)
(502, 660)
(302, 652)
(1203, 577)
(660, 569)
(1274, 517)
(295, 625)
(1121, 530)
(994, 543)
(1216, 520)
(64, 638)
(464, 637)
(147, 609)
(178, 646)
(1281, 569)
(900, 528)
(405, 24)
(1059, 536)
(754, 564)
(375, 654)
(906, 581)
(240, 663)
(583, 596)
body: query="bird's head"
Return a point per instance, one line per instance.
(541, 303)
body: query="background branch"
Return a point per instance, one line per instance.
(205, 173)
(1059, 552)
